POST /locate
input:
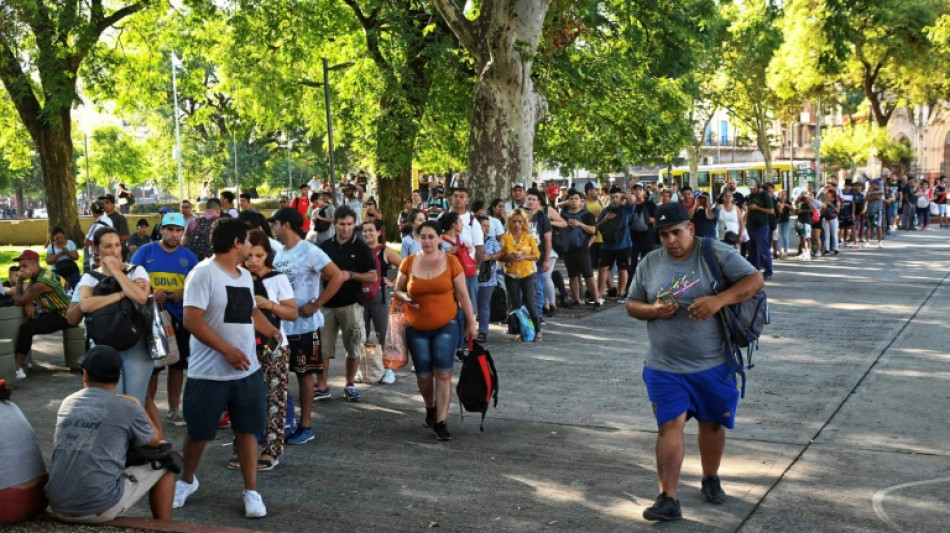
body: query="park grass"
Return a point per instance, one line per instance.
(9, 253)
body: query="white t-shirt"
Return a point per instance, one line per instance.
(279, 289)
(496, 228)
(87, 280)
(228, 302)
(302, 265)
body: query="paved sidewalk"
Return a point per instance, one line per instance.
(843, 427)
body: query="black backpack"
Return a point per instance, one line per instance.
(321, 225)
(478, 382)
(742, 323)
(120, 325)
(612, 230)
(199, 242)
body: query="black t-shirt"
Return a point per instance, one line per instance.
(786, 214)
(909, 195)
(578, 235)
(705, 226)
(120, 223)
(940, 194)
(353, 255)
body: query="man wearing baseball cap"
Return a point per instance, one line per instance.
(119, 222)
(44, 288)
(519, 198)
(168, 264)
(686, 372)
(89, 483)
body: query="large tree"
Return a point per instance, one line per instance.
(43, 43)
(502, 40)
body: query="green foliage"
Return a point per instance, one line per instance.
(851, 146)
(116, 156)
(16, 148)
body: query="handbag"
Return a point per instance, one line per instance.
(395, 353)
(161, 342)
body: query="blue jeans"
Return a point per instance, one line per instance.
(137, 367)
(433, 350)
(484, 308)
(783, 231)
(760, 254)
(471, 283)
(539, 284)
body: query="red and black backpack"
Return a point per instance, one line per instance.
(478, 382)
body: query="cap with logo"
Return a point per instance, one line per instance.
(173, 219)
(165, 209)
(670, 214)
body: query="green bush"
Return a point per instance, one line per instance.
(147, 209)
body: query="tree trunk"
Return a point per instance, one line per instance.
(55, 147)
(693, 153)
(765, 146)
(501, 136)
(20, 204)
(507, 107)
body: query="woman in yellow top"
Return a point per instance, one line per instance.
(519, 251)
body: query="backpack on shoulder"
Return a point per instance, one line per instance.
(370, 290)
(742, 323)
(612, 230)
(478, 382)
(120, 325)
(199, 242)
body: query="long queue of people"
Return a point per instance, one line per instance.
(252, 299)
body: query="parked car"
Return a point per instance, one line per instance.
(40, 212)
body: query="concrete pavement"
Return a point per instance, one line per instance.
(843, 427)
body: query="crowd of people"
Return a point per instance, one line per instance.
(253, 299)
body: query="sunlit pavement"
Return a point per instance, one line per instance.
(843, 427)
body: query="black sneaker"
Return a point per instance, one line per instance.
(712, 490)
(575, 305)
(442, 431)
(612, 292)
(665, 509)
(430, 418)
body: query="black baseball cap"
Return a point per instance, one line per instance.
(103, 364)
(108, 198)
(287, 215)
(670, 214)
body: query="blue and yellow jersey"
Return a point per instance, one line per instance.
(166, 271)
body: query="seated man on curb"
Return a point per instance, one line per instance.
(40, 293)
(95, 428)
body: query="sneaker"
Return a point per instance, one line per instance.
(389, 377)
(183, 491)
(712, 490)
(442, 431)
(320, 395)
(225, 421)
(20, 374)
(818, 254)
(767, 277)
(253, 504)
(351, 394)
(482, 337)
(575, 305)
(612, 292)
(174, 418)
(880, 245)
(665, 509)
(600, 301)
(590, 302)
(301, 435)
(552, 311)
(430, 418)
(622, 299)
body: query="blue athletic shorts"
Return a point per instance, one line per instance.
(709, 396)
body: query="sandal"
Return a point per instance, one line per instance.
(264, 465)
(234, 463)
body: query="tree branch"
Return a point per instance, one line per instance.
(371, 28)
(18, 86)
(461, 27)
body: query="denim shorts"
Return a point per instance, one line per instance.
(433, 350)
(709, 396)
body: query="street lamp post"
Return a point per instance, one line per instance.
(176, 64)
(85, 140)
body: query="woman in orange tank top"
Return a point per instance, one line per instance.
(431, 284)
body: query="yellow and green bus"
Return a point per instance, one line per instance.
(711, 178)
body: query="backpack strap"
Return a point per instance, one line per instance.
(733, 353)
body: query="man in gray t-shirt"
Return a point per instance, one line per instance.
(95, 427)
(686, 373)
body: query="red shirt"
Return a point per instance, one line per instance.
(302, 205)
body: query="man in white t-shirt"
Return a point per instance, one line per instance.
(471, 233)
(304, 264)
(223, 370)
